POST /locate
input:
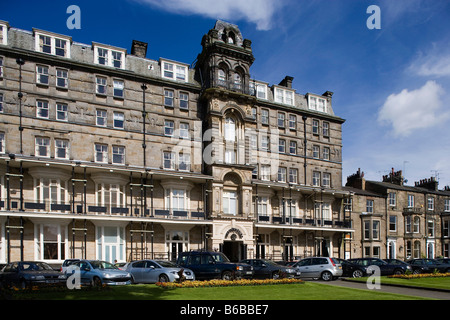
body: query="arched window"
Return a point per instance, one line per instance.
(237, 81)
(230, 129)
(222, 78)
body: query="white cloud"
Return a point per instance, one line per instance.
(416, 109)
(435, 63)
(260, 12)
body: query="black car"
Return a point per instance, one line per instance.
(350, 269)
(26, 274)
(443, 260)
(213, 265)
(264, 269)
(385, 268)
(428, 266)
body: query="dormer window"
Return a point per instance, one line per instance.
(174, 71)
(284, 96)
(53, 44)
(317, 104)
(3, 33)
(109, 56)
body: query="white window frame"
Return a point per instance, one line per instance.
(169, 100)
(261, 91)
(293, 175)
(41, 108)
(410, 201)
(101, 151)
(265, 172)
(61, 144)
(184, 161)
(62, 112)
(317, 103)
(169, 128)
(52, 44)
(4, 33)
(184, 100)
(316, 178)
(168, 158)
(447, 205)
(284, 96)
(42, 75)
(1, 67)
(61, 242)
(118, 88)
(62, 75)
(41, 144)
(174, 71)
(326, 180)
(101, 118)
(118, 120)
(265, 116)
(109, 56)
(230, 202)
(184, 130)
(282, 174)
(176, 199)
(101, 82)
(118, 153)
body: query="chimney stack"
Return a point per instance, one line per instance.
(139, 49)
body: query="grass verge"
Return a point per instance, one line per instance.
(442, 283)
(303, 291)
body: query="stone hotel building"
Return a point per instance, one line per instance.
(107, 154)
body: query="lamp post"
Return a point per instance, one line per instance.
(20, 62)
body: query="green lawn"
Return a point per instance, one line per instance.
(436, 283)
(304, 291)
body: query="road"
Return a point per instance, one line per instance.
(393, 289)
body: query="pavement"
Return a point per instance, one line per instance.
(426, 293)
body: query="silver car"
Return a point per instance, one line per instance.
(152, 271)
(319, 267)
(97, 273)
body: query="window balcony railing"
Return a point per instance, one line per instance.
(96, 209)
(413, 210)
(304, 221)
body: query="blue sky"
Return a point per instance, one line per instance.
(389, 84)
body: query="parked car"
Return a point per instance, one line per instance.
(398, 262)
(67, 263)
(26, 274)
(97, 273)
(211, 265)
(443, 260)
(121, 265)
(385, 268)
(264, 269)
(319, 267)
(152, 271)
(428, 266)
(350, 269)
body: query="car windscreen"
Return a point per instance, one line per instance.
(102, 265)
(35, 266)
(166, 264)
(219, 257)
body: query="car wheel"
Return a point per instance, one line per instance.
(23, 284)
(163, 278)
(132, 280)
(276, 275)
(357, 274)
(96, 282)
(326, 276)
(227, 275)
(416, 271)
(398, 271)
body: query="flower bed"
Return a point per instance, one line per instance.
(225, 283)
(420, 276)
